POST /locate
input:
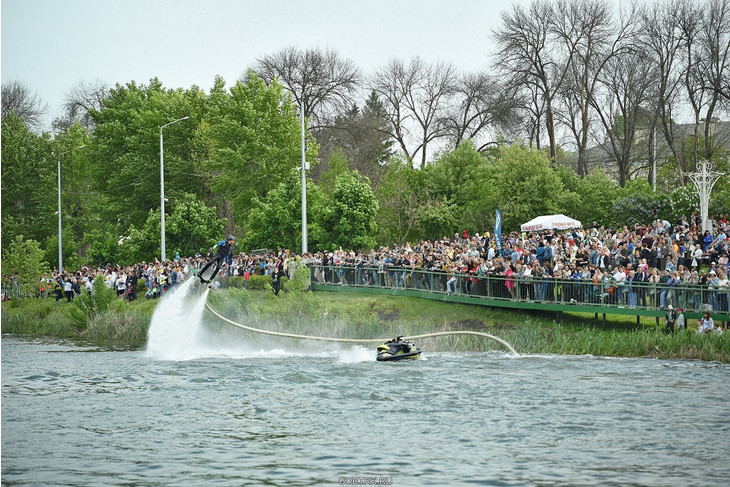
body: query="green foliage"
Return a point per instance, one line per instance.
(102, 299)
(28, 182)
(337, 167)
(348, 218)
(456, 183)
(684, 200)
(402, 198)
(276, 221)
(437, 218)
(522, 185)
(141, 244)
(258, 282)
(23, 264)
(720, 202)
(256, 140)
(301, 281)
(637, 203)
(104, 247)
(192, 226)
(126, 149)
(588, 199)
(360, 137)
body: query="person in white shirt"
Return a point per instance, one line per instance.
(121, 285)
(705, 324)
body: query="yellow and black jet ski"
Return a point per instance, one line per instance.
(398, 349)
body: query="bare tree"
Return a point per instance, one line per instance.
(689, 21)
(322, 83)
(18, 100)
(79, 102)
(620, 107)
(479, 103)
(715, 62)
(587, 29)
(362, 136)
(529, 56)
(662, 40)
(415, 97)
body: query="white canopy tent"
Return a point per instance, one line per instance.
(550, 222)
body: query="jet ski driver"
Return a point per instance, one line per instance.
(223, 254)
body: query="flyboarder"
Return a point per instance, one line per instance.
(223, 254)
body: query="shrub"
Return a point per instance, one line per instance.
(259, 283)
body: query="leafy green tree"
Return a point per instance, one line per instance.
(28, 182)
(192, 226)
(589, 199)
(438, 218)
(256, 137)
(104, 246)
(276, 221)
(401, 200)
(684, 200)
(338, 165)
(522, 185)
(81, 204)
(126, 149)
(348, 216)
(637, 203)
(457, 180)
(23, 265)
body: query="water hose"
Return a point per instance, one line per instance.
(359, 340)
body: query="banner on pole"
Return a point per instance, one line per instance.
(498, 230)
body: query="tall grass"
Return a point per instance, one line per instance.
(345, 315)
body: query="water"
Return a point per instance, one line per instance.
(321, 414)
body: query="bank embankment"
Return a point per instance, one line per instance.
(359, 316)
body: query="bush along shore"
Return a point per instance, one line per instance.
(106, 319)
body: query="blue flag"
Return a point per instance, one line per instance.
(498, 230)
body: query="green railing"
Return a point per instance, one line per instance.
(549, 294)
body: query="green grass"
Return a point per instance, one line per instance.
(346, 315)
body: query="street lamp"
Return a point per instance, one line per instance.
(704, 179)
(304, 187)
(162, 189)
(60, 228)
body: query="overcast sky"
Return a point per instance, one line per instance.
(52, 45)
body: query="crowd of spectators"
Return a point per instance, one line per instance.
(653, 265)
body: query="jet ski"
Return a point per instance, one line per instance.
(398, 349)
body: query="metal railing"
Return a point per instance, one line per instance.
(604, 293)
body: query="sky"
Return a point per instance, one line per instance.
(53, 45)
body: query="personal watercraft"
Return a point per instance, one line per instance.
(398, 349)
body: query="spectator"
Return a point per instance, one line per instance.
(671, 317)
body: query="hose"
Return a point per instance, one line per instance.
(358, 340)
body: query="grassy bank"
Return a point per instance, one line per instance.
(361, 316)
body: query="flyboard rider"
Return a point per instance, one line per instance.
(223, 254)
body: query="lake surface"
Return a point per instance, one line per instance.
(82, 415)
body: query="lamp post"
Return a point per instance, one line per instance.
(304, 187)
(704, 179)
(162, 190)
(60, 227)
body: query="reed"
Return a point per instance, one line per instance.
(345, 315)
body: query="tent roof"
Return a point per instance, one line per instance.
(549, 222)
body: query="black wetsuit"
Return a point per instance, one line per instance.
(224, 253)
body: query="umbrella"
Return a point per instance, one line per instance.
(550, 222)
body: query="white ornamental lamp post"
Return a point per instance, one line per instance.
(704, 179)
(162, 190)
